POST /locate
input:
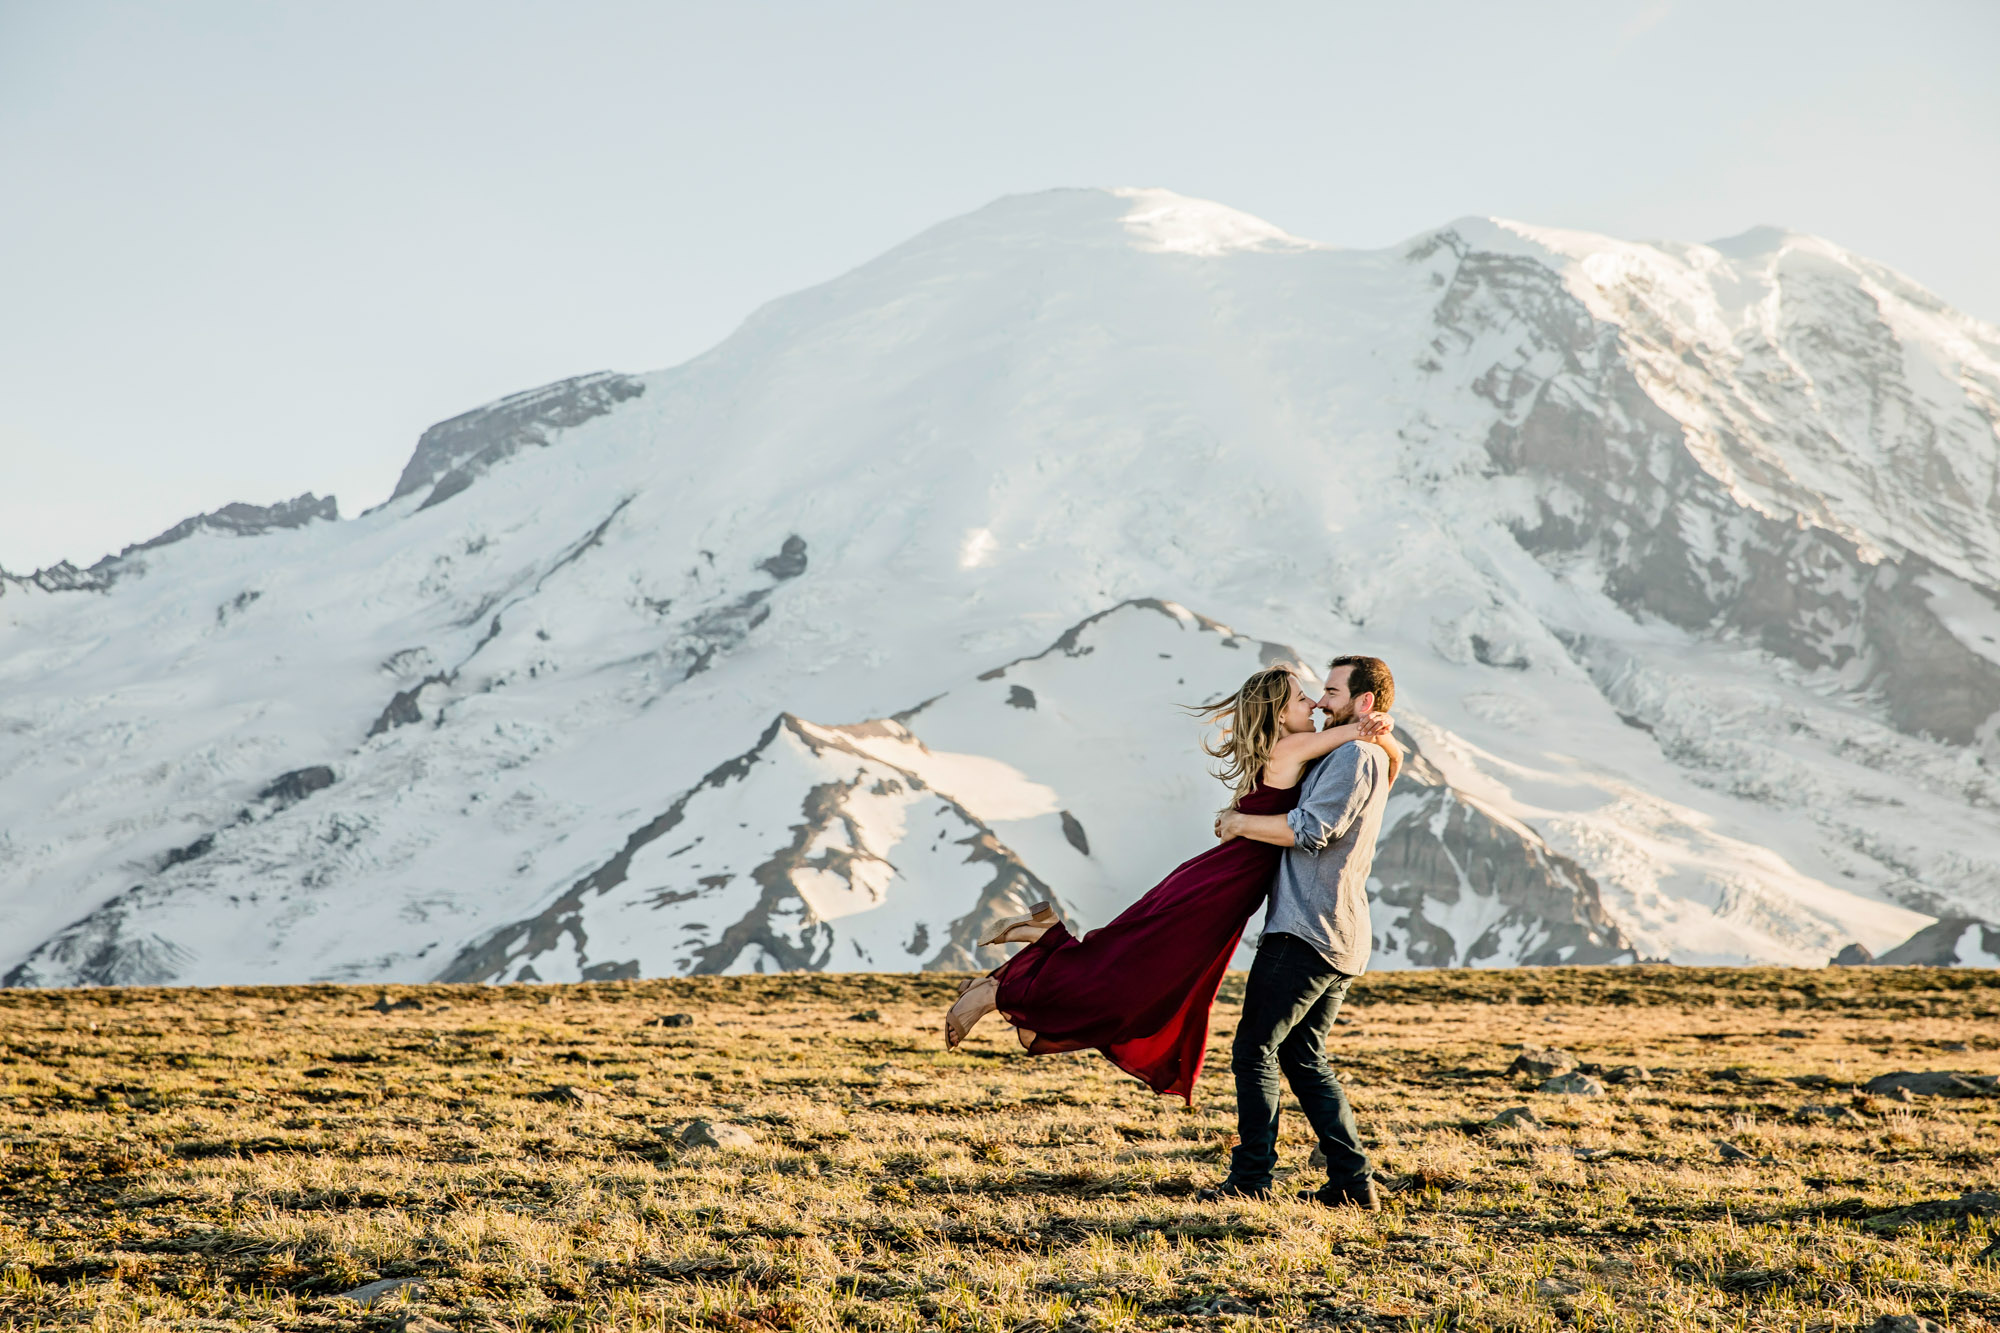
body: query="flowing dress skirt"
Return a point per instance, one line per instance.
(1139, 988)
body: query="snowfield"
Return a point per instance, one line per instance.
(869, 626)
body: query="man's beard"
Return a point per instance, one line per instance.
(1340, 719)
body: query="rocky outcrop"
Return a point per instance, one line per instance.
(105, 948)
(1615, 478)
(242, 520)
(787, 906)
(1954, 941)
(1456, 885)
(452, 454)
(235, 520)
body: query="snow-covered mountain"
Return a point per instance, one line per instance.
(868, 626)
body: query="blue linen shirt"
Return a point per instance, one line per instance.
(1320, 894)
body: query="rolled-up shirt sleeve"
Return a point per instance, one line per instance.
(1334, 799)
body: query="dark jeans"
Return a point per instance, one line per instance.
(1288, 1008)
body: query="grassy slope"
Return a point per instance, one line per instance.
(233, 1158)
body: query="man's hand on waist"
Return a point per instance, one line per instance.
(1258, 828)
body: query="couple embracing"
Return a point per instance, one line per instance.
(1299, 835)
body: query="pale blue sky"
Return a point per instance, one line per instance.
(253, 249)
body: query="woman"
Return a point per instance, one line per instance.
(1140, 988)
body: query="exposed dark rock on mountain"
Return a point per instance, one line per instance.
(236, 520)
(454, 453)
(291, 788)
(789, 562)
(1952, 941)
(103, 949)
(1442, 858)
(777, 923)
(242, 520)
(1614, 478)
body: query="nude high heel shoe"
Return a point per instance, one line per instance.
(1041, 916)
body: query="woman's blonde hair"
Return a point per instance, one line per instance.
(1252, 724)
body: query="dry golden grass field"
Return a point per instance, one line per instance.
(224, 1159)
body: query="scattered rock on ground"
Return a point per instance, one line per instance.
(1935, 1083)
(1628, 1074)
(1219, 1305)
(567, 1093)
(374, 1291)
(716, 1134)
(418, 1323)
(1731, 1153)
(866, 1016)
(1794, 1034)
(383, 1006)
(1845, 1116)
(672, 1021)
(1574, 1085)
(891, 1073)
(1536, 1062)
(1989, 1255)
(1904, 1323)
(1516, 1117)
(1972, 1203)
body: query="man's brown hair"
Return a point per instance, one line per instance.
(1365, 674)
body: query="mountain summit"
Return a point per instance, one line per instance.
(838, 641)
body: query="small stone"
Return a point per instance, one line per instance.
(715, 1134)
(1844, 1116)
(1224, 1304)
(1935, 1083)
(1905, 1323)
(1516, 1117)
(1794, 1034)
(1629, 1074)
(1971, 1203)
(372, 1292)
(418, 1323)
(567, 1093)
(1554, 1287)
(866, 1016)
(1989, 1255)
(1956, 1046)
(1574, 1085)
(673, 1021)
(896, 1074)
(1536, 1062)
(1731, 1153)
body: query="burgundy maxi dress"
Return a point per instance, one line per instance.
(1139, 988)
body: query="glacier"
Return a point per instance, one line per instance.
(873, 623)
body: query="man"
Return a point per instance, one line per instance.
(1316, 942)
